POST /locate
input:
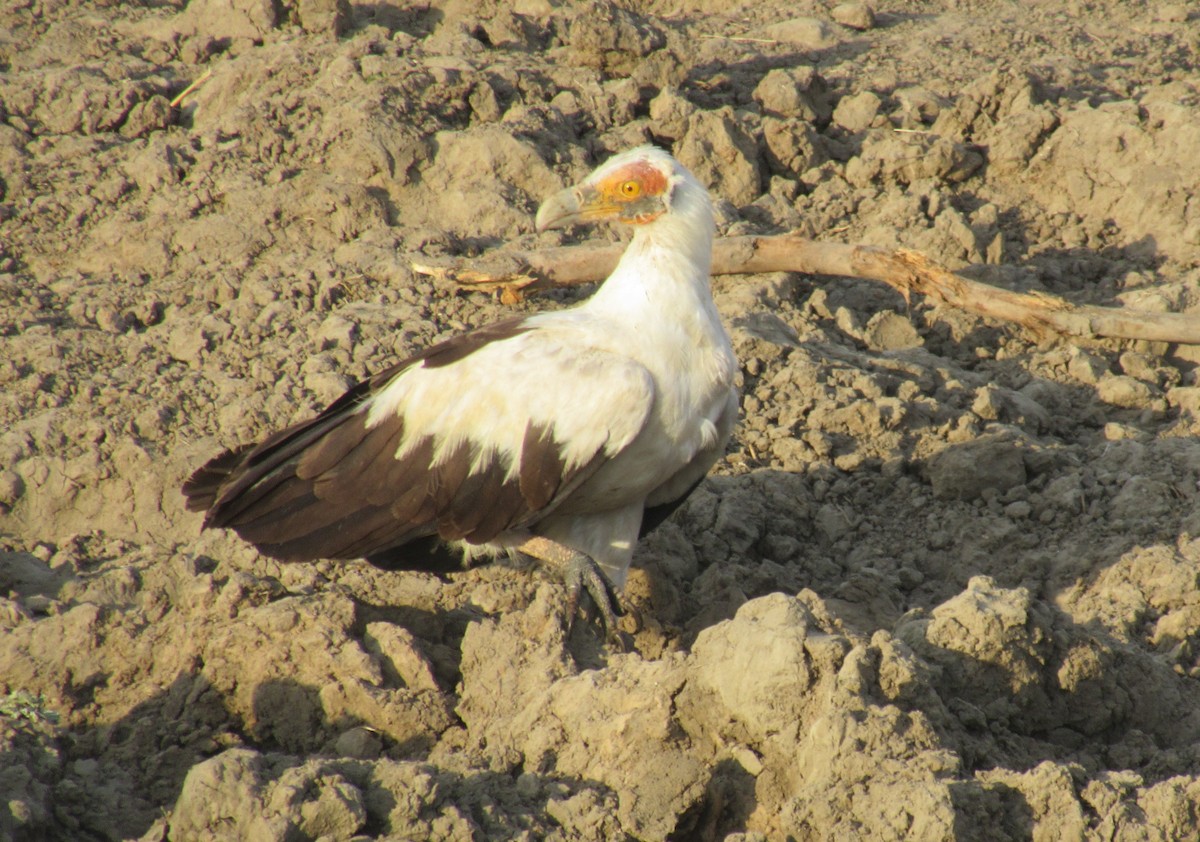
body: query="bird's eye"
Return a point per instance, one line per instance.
(630, 189)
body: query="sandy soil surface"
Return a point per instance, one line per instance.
(946, 585)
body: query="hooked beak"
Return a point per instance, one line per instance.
(575, 204)
(560, 210)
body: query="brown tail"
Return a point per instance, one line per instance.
(203, 486)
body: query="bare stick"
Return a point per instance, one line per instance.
(907, 272)
(195, 84)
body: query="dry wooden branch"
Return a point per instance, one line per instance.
(517, 273)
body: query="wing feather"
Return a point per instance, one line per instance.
(448, 477)
(204, 485)
(405, 485)
(340, 539)
(272, 494)
(303, 515)
(463, 513)
(541, 465)
(327, 451)
(503, 512)
(341, 480)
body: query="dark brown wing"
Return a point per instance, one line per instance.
(332, 487)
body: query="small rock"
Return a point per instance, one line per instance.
(822, 445)
(800, 93)
(832, 522)
(722, 154)
(1141, 367)
(1141, 499)
(953, 225)
(1172, 13)
(857, 113)
(512, 29)
(1124, 391)
(993, 252)
(334, 809)
(328, 17)
(793, 146)
(670, 112)
(806, 33)
(858, 16)
(158, 165)
(108, 318)
(154, 114)
(847, 321)
(328, 386)
(401, 658)
(150, 312)
(784, 670)
(229, 19)
(337, 332)
(359, 742)
(849, 462)
(919, 105)
(612, 39)
(1116, 431)
(905, 158)
(1018, 509)
(909, 577)
(889, 331)
(988, 404)
(188, 342)
(1187, 398)
(965, 471)
(1065, 492)
(1086, 368)
(197, 49)
(486, 105)
(11, 487)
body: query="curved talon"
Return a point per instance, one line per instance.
(582, 574)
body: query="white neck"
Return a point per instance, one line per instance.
(667, 264)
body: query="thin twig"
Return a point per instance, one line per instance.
(200, 80)
(740, 38)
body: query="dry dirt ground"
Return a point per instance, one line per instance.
(946, 585)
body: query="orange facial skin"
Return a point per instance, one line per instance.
(635, 193)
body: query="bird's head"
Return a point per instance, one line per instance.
(635, 187)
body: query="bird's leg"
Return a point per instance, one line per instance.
(580, 573)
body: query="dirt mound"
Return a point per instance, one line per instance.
(946, 584)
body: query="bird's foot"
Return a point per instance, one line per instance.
(582, 575)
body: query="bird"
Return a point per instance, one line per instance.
(563, 435)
